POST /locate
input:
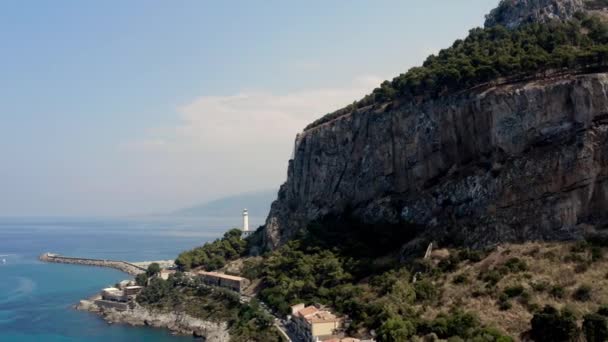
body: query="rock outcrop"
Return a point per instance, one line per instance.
(512, 13)
(526, 161)
(179, 323)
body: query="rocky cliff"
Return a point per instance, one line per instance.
(512, 13)
(510, 163)
(179, 323)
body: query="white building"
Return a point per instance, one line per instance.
(246, 230)
(245, 220)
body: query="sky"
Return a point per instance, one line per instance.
(114, 108)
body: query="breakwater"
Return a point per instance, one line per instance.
(116, 264)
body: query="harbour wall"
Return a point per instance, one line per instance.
(123, 266)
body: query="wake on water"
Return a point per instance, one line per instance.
(24, 287)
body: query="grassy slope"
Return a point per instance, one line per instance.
(552, 264)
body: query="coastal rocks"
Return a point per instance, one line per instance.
(513, 13)
(512, 163)
(179, 323)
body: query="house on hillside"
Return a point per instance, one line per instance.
(165, 273)
(234, 283)
(313, 324)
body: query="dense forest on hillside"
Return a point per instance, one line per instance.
(214, 255)
(549, 291)
(489, 54)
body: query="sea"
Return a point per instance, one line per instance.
(37, 299)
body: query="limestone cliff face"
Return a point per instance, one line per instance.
(179, 323)
(512, 13)
(515, 162)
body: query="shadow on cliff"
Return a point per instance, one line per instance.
(374, 246)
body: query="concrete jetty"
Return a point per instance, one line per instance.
(123, 266)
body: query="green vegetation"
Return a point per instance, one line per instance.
(553, 325)
(141, 279)
(247, 322)
(582, 293)
(496, 54)
(153, 269)
(494, 275)
(355, 277)
(558, 292)
(595, 327)
(214, 255)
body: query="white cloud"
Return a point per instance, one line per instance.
(233, 143)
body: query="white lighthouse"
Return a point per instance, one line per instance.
(245, 222)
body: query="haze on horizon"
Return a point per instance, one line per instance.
(122, 108)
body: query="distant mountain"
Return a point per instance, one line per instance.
(257, 203)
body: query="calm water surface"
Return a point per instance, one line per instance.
(36, 298)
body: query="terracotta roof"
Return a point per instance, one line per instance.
(307, 311)
(314, 315)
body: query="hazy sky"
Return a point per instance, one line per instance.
(116, 107)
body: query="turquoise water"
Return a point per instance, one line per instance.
(36, 298)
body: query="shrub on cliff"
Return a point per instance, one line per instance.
(553, 325)
(582, 293)
(595, 328)
(395, 330)
(460, 325)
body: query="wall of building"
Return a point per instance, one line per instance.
(324, 329)
(111, 305)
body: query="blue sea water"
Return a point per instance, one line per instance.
(36, 298)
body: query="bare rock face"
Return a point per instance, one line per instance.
(518, 162)
(177, 322)
(512, 13)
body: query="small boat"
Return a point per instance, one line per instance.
(3, 261)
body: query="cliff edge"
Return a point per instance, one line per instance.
(513, 13)
(516, 162)
(461, 151)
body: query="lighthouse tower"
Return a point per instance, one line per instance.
(246, 231)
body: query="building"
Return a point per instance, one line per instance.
(132, 290)
(113, 294)
(165, 273)
(125, 283)
(314, 324)
(233, 283)
(246, 231)
(245, 220)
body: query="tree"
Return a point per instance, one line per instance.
(595, 328)
(553, 325)
(153, 269)
(141, 279)
(395, 330)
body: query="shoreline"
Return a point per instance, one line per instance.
(176, 322)
(133, 314)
